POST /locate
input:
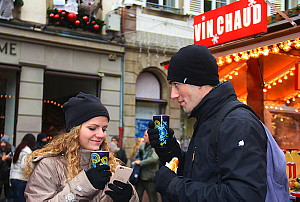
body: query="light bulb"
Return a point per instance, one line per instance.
(275, 49)
(266, 51)
(228, 59)
(237, 58)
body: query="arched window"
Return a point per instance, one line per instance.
(147, 86)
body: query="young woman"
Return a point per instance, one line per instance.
(17, 180)
(61, 171)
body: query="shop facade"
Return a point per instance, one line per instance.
(40, 71)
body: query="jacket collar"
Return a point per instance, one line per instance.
(213, 101)
(85, 159)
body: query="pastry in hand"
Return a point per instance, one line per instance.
(173, 164)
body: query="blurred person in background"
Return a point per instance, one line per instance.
(6, 153)
(138, 143)
(17, 180)
(119, 152)
(41, 141)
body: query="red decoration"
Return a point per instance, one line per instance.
(77, 22)
(51, 15)
(63, 13)
(56, 17)
(93, 22)
(96, 27)
(62, 18)
(57, 23)
(59, 11)
(166, 66)
(72, 17)
(85, 18)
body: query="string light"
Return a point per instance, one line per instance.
(265, 51)
(275, 49)
(5, 96)
(54, 103)
(228, 59)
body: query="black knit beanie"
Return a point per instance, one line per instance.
(195, 65)
(82, 108)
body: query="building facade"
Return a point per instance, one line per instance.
(42, 66)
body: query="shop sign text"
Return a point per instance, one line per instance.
(8, 48)
(233, 21)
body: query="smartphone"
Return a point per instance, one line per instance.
(122, 174)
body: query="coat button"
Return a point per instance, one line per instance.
(79, 188)
(70, 197)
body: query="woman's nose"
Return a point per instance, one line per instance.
(100, 134)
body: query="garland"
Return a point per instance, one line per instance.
(63, 18)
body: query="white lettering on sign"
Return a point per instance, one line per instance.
(8, 48)
(229, 22)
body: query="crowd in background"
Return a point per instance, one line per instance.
(12, 162)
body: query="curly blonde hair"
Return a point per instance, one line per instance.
(66, 144)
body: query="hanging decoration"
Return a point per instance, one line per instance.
(63, 18)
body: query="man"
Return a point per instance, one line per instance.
(148, 160)
(239, 174)
(119, 152)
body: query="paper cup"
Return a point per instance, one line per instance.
(161, 122)
(99, 158)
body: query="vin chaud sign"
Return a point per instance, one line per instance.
(233, 21)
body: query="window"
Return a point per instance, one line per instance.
(291, 4)
(279, 4)
(213, 4)
(58, 88)
(148, 101)
(164, 5)
(8, 85)
(286, 130)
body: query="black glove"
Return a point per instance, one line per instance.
(154, 136)
(121, 192)
(162, 179)
(99, 176)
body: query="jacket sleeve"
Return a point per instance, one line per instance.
(47, 183)
(241, 152)
(151, 159)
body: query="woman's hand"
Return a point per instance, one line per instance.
(99, 176)
(120, 192)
